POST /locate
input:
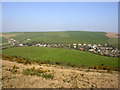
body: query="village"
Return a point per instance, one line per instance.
(105, 49)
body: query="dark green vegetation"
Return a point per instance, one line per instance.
(61, 55)
(63, 37)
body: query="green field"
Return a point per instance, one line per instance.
(61, 55)
(63, 37)
(4, 40)
(114, 42)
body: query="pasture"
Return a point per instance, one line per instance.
(114, 42)
(63, 37)
(4, 40)
(61, 55)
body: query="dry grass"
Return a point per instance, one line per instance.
(64, 77)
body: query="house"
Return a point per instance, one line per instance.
(79, 44)
(99, 50)
(59, 45)
(37, 44)
(99, 45)
(14, 40)
(91, 50)
(41, 45)
(28, 39)
(89, 45)
(47, 45)
(106, 44)
(94, 45)
(55, 45)
(81, 48)
(44, 45)
(17, 42)
(107, 48)
(69, 45)
(20, 44)
(84, 44)
(74, 44)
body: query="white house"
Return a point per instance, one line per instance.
(74, 44)
(20, 44)
(89, 45)
(44, 45)
(79, 44)
(28, 39)
(91, 50)
(38, 44)
(84, 44)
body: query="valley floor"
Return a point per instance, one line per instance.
(64, 77)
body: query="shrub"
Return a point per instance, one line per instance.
(26, 62)
(40, 62)
(91, 67)
(96, 67)
(58, 63)
(19, 61)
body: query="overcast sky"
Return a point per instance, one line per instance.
(44, 16)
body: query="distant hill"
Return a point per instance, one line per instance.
(63, 37)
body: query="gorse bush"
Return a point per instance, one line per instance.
(101, 67)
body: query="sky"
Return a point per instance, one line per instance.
(59, 16)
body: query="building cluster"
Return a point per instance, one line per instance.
(100, 49)
(12, 41)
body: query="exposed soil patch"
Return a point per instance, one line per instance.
(64, 77)
(8, 36)
(113, 35)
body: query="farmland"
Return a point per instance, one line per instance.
(114, 42)
(63, 37)
(61, 55)
(4, 40)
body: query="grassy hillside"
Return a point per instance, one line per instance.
(114, 42)
(61, 55)
(64, 37)
(4, 40)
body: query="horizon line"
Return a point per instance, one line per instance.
(55, 31)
